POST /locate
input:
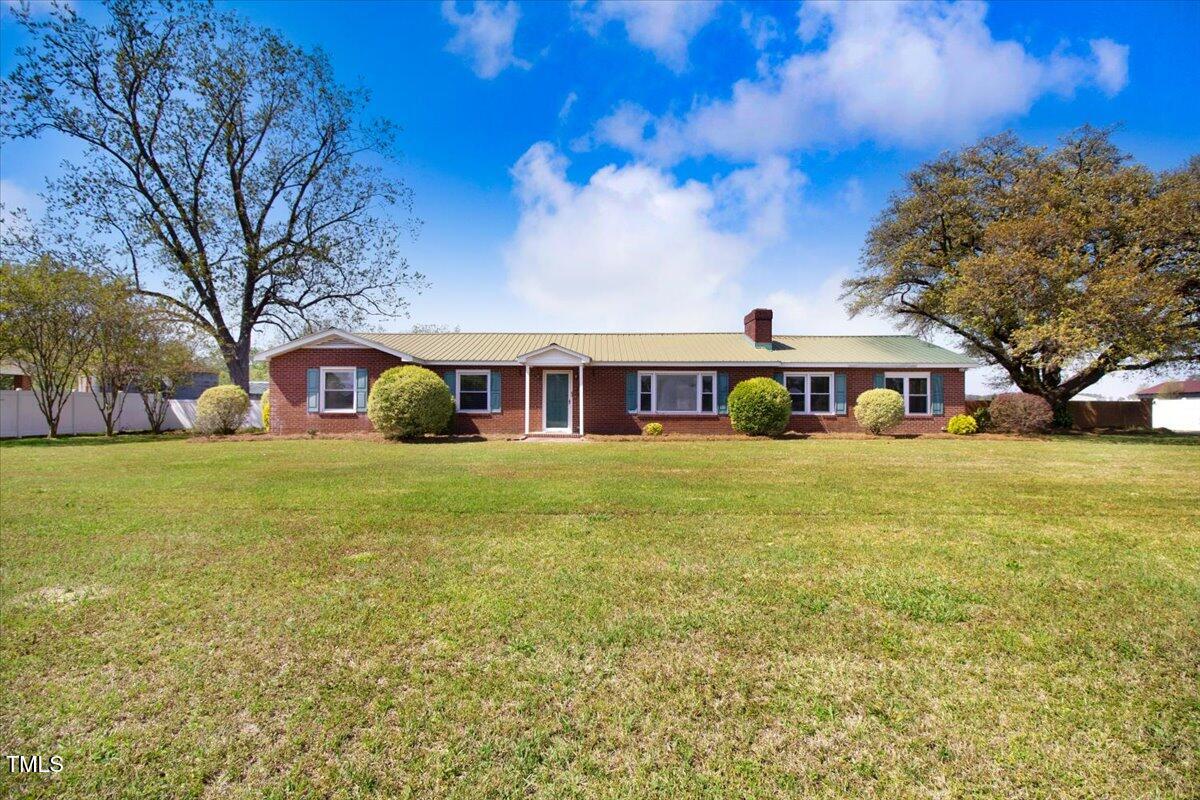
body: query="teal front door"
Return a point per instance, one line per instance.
(558, 401)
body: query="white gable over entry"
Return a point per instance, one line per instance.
(553, 355)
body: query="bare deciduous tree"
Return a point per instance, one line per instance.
(228, 174)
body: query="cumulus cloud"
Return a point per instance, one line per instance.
(632, 247)
(663, 28)
(484, 36)
(899, 73)
(819, 312)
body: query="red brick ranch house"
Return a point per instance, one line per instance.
(613, 383)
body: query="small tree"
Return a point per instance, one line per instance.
(113, 367)
(879, 410)
(759, 407)
(46, 316)
(165, 359)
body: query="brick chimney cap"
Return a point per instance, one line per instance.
(759, 313)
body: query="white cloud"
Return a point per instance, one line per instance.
(485, 35)
(634, 248)
(1112, 65)
(663, 28)
(762, 29)
(568, 104)
(899, 73)
(852, 195)
(821, 313)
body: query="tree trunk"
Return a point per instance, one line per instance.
(237, 360)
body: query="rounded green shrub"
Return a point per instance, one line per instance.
(409, 401)
(759, 407)
(1017, 412)
(266, 409)
(221, 409)
(879, 410)
(962, 425)
(982, 417)
(653, 429)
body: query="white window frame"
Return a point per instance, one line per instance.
(700, 375)
(353, 409)
(458, 376)
(808, 376)
(907, 376)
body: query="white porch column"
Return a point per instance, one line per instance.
(581, 399)
(526, 399)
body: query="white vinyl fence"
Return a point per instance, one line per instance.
(20, 415)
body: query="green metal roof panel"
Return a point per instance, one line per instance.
(669, 348)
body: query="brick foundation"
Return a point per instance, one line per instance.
(604, 399)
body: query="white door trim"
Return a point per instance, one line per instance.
(570, 391)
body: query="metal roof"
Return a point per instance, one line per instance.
(672, 348)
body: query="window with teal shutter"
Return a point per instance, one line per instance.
(495, 389)
(722, 392)
(448, 377)
(937, 404)
(360, 390)
(778, 376)
(879, 380)
(839, 393)
(631, 392)
(314, 390)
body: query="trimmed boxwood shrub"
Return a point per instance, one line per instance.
(962, 425)
(266, 409)
(878, 410)
(410, 401)
(1017, 412)
(653, 429)
(221, 409)
(759, 407)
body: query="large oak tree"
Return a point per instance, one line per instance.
(226, 172)
(1059, 265)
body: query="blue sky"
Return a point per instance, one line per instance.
(615, 166)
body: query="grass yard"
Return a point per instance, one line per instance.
(819, 618)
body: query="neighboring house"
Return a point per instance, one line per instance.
(613, 383)
(257, 388)
(195, 385)
(12, 376)
(1179, 410)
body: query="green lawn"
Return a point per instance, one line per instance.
(822, 617)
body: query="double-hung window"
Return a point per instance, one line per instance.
(677, 392)
(913, 387)
(811, 392)
(474, 391)
(337, 390)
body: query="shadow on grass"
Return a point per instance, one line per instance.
(93, 439)
(465, 439)
(1160, 438)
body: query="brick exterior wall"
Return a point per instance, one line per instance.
(604, 399)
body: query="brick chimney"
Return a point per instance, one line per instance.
(758, 327)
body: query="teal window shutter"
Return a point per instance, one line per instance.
(314, 390)
(631, 392)
(839, 393)
(936, 402)
(722, 392)
(360, 390)
(779, 378)
(878, 380)
(448, 377)
(495, 389)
